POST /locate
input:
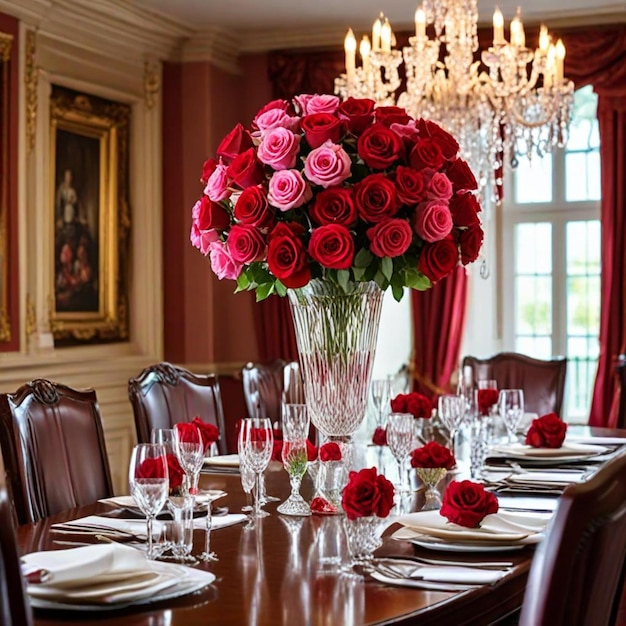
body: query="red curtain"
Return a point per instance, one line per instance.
(438, 321)
(276, 338)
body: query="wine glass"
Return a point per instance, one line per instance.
(258, 444)
(511, 407)
(294, 456)
(149, 483)
(245, 470)
(400, 440)
(380, 391)
(189, 449)
(451, 413)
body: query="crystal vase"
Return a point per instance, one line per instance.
(363, 538)
(336, 333)
(431, 477)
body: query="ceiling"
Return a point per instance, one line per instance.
(240, 16)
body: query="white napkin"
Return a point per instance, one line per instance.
(507, 522)
(529, 504)
(567, 449)
(225, 460)
(455, 574)
(547, 478)
(601, 441)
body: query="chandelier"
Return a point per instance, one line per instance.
(512, 102)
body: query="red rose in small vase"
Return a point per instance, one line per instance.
(467, 503)
(152, 468)
(486, 398)
(209, 432)
(175, 472)
(415, 403)
(380, 436)
(547, 431)
(330, 452)
(432, 455)
(367, 494)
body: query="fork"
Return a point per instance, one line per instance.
(488, 565)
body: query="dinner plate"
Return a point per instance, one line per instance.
(188, 580)
(431, 543)
(569, 452)
(128, 504)
(223, 460)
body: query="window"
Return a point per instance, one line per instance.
(551, 283)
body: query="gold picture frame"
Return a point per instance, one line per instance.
(89, 191)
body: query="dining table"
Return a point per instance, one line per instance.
(278, 570)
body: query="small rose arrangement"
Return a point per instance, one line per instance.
(153, 468)
(432, 455)
(415, 403)
(486, 398)
(342, 191)
(379, 438)
(209, 433)
(330, 451)
(277, 449)
(547, 431)
(467, 503)
(367, 494)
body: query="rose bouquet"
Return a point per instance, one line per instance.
(341, 191)
(547, 431)
(431, 462)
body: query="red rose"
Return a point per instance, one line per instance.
(438, 259)
(379, 147)
(237, 141)
(332, 246)
(485, 399)
(245, 244)
(390, 237)
(311, 451)
(470, 241)
(376, 198)
(392, 115)
(277, 450)
(252, 208)
(208, 168)
(212, 215)
(415, 403)
(330, 451)
(334, 205)
(547, 431)
(464, 208)
(320, 505)
(246, 170)
(447, 143)
(461, 176)
(187, 432)
(380, 436)
(175, 472)
(209, 432)
(432, 455)
(466, 503)
(410, 185)
(320, 127)
(426, 153)
(357, 113)
(366, 494)
(152, 468)
(286, 255)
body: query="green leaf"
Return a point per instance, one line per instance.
(386, 267)
(243, 282)
(381, 281)
(416, 280)
(343, 278)
(263, 291)
(397, 292)
(359, 273)
(363, 258)
(281, 290)
(258, 274)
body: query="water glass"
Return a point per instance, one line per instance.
(451, 411)
(258, 443)
(400, 440)
(189, 449)
(511, 408)
(380, 392)
(149, 484)
(178, 533)
(479, 445)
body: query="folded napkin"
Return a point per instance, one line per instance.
(547, 478)
(531, 505)
(507, 522)
(225, 460)
(446, 573)
(601, 441)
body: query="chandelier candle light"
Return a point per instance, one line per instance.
(514, 101)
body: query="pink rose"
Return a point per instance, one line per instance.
(217, 185)
(279, 148)
(439, 187)
(433, 221)
(327, 165)
(390, 237)
(207, 237)
(287, 190)
(276, 118)
(245, 244)
(310, 104)
(281, 105)
(222, 263)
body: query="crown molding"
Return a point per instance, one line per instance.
(263, 41)
(216, 46)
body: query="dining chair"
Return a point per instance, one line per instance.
(165, 394)
(54, 449)
(578, 571)
(263, 386)
(14, 607)
(620, 372)
(543, 381)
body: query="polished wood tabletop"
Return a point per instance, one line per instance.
(273, 573)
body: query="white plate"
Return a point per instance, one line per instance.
(224, 460)
(523, 451)
(430, 543)
(195, 580)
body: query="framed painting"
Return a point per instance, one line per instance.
(90, 218)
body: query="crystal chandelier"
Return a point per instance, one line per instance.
(512, 102)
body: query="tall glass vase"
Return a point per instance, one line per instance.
(336, 334)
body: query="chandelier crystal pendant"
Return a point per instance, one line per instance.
(512, 102)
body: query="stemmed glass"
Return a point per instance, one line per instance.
(294, 455)
(400, 440)
(189, 449)
(245, 470)
(511, 407)
(380, 391)
(258, 443)
(149, 482)
(451, 413)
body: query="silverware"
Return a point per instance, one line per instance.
(92, 529)
(489, 565)
(391, 573)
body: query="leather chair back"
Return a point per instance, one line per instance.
(577, 574)
(164, 395)
(263, 386)
(543, 382)
(620, 372)
(14, 607)
(54, 449)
